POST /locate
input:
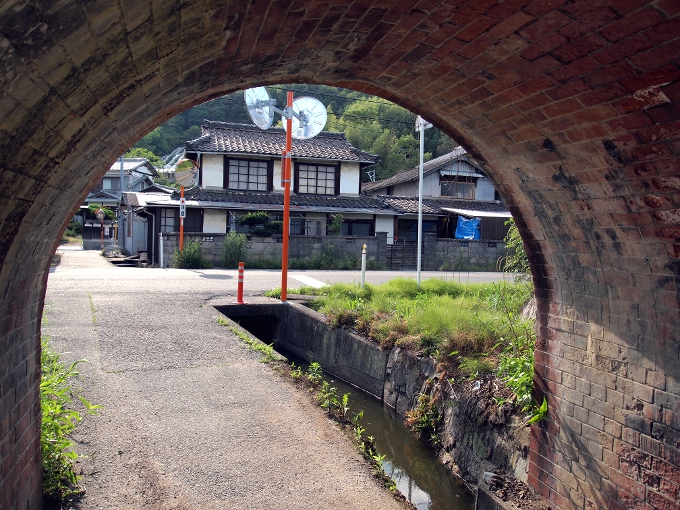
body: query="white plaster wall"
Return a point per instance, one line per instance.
(350, 178)
(213, 170)
(485, 189)
(277, 175)
(385, 223)
(215, 221)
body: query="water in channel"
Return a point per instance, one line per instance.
(417, 473)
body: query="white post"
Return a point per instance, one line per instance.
(421, 125)
(363, 267)
(121, 216)
(160, 245)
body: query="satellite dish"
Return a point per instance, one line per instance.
(259, 107)
(186, 173)
(314, 114)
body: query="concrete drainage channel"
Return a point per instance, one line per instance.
(394, 377)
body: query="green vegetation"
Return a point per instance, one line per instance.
(335, 226)
(516, 260)
(233, 250)
(260, 225)
(370, 123)
(140, 152)
(91, 212)
(59, 419)
(191, 257)
(423, 419)
(442, 316)
(473, 330)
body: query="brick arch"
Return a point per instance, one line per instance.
(570, 105)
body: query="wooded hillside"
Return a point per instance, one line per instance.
(370, 123)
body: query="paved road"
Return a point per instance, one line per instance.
(192, 419)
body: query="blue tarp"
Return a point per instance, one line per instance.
(467, 228)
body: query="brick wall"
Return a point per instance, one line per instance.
(570, 106)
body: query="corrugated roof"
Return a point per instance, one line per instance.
(232, 138)
(412, 174)
(409, 205)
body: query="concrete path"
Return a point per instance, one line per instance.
(191, 418)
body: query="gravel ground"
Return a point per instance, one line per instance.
(191, 418)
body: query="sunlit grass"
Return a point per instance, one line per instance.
(439, 315)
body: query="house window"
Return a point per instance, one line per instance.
(109, 183)
(167, 220)
(457, 187)
(357, 228)
(248, 175)
(316, 179)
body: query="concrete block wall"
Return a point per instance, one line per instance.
(269, 248)
(571, 108)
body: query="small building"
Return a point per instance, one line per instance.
(455, 189)
(138, 175)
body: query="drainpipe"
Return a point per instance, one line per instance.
(160, 247)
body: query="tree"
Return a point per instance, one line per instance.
(140, 152)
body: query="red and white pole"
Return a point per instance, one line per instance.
(286, 202)
(239, 297)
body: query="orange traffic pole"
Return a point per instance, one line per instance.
(286, 202)
(181, 220)
(239, 296)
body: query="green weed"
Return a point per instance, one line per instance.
(424, 419)
(59, 419)
(191, 257)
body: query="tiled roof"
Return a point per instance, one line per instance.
(230, 138)
(409, 205)
(412, 174)
(217, 196)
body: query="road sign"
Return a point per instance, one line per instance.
(182, 208)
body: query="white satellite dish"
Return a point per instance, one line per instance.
(186, 173)
(260, 107)
(313, 115)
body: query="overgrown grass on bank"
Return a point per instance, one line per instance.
(474, 329)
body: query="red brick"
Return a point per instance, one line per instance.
(544, 25)
(631, 24)
(626, 483)
(574, 69)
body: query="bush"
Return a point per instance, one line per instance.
(233, 250)
(191, 257)
(335, 226)
(254, 218)
(516, 260)
(91, 212)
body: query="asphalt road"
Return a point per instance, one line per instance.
(191, 418)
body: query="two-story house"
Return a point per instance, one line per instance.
(454, 186)
(240, 172)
